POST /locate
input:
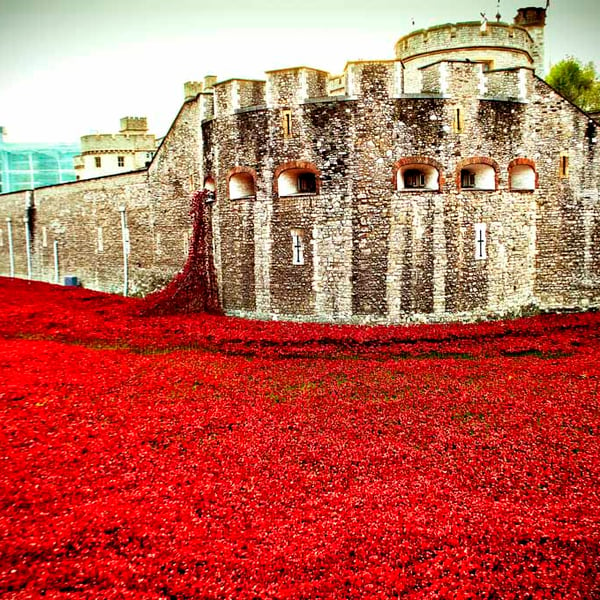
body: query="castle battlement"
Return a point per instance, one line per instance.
(236, 94)
(456, 79)
(377, 77)
(459, 36)
(447, 183)
(294, 87)
(290, 87)
(500, 45)
(134, 125)
(104, 142)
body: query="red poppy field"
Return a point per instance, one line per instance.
(209, 457)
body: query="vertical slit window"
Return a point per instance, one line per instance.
(297, 247)
(564, 166)
(480, 241)
(286, 122)
(100, 240)
(459, 120)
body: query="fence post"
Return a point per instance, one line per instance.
(27, 245)
(11, 250)
(125, 238)
(56, 276)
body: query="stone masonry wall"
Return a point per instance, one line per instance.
(377, 254)
(568, 218)
(85, 219)
(373, 251)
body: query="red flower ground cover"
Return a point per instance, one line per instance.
(207, 457)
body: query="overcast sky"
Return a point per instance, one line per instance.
(69, 67)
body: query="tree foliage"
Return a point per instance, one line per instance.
(577, 82)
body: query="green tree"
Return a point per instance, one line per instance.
(576, 82)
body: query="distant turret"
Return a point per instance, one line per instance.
(134, 125)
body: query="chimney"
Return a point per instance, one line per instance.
(533, 20)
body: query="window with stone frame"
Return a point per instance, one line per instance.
(210, 189)
(297, 181)
(417, 176)
(458, 122)
(100, 239)
(522, 178)
(286, 123)
(478, 176)
(120, 161)
(241, 185)
(98, 161)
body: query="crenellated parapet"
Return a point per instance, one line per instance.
(374, 77)
(238, 94)
(206, 101)
(291, 87)
(497, 45)
(509, 84)
(456, 79)
(117, 142)
(501, 44)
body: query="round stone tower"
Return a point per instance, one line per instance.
(496, 45)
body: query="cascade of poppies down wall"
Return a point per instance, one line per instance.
(359, 244)
(195, 288)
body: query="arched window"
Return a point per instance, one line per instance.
(418, 177)
(241, 183)
(417, 173)
(209, 188)
(297, 178)
(477, 174)
(522, 175)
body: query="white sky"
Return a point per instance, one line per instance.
(72, 67)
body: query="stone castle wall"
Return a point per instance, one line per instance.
(85, 219)
(374, 253)
(353, 245)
